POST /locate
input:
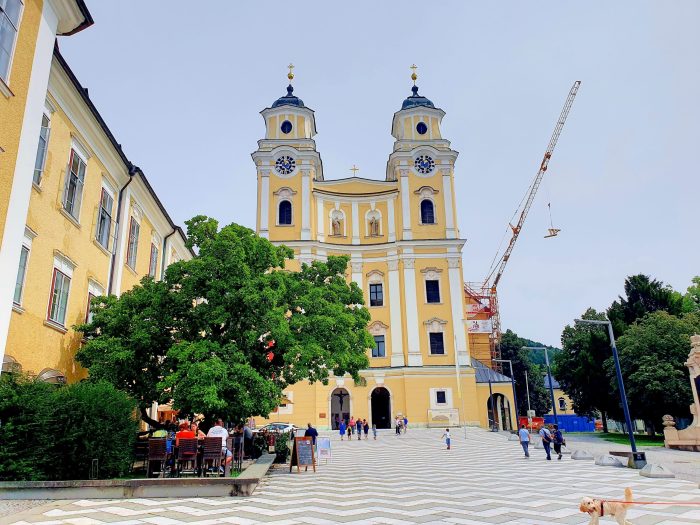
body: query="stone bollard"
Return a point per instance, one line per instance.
(606, 460)
(513, 437)
(581, 454)
(652, 470)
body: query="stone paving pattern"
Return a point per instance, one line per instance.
(405, 480)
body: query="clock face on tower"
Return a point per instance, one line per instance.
(424, 164)
(285, 165)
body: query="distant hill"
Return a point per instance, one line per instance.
(537, 356)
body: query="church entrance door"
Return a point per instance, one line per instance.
(340, 407)
(381, 407)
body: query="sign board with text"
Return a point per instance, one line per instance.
(302, 454)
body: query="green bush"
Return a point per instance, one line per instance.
(50, 432)
(25, 408)
(282, 448)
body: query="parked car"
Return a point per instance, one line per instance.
(277, 427)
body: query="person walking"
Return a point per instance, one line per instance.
(374, 431)
(405, 424)
(341, 429)
(351, 426)
(558, 441)
(397, 422)
(446, 437)
(524, 436)
(358, 426)
(365, 427)
(348, 431)
(546, 436)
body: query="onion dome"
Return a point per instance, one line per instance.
(289, 99)
(416, 100)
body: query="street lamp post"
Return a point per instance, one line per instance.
(549, 376)
(620, 382)
(512, 382)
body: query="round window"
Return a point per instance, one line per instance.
(286, 127)
(421, 128)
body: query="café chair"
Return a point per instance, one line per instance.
(157, 454)
(211, 457)
(187, 457)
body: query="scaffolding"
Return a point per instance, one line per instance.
(484, 335)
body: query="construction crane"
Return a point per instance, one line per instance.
(488, 288)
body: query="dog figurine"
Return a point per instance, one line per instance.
(597, 508)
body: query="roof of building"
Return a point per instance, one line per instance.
(131, 168)
(484, 373)
(416, 100)
(555, 383)
(289, 99)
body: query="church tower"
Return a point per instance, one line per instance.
(400, 232)
(287, 162)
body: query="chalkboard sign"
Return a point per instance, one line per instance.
(302, 454)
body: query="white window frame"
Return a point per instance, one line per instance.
(449, 401)
(80, 151)
(379, 328)
(284, 194)
(45, 135)
(432, 274)
(64, 266)
(129, 255)
(106, 188)
(26, 244)
(375, 277)
(5, 78)
(94, 290)
(436, 325)
(153, 262)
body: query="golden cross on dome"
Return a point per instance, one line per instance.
(414, 77)
(290, 75)
(354, 170)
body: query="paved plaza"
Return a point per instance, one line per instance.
(405, 480)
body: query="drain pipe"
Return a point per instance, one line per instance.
(132, 171)
(162, 264)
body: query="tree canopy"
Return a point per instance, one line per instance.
(580, 369)
(652, 353)
(512, 349)
(224, 333)
(643, 295)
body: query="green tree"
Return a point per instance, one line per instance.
(652, 356)
(580, 369)
(643, 295)
(225, 332)
(691, 299)
(512, 348)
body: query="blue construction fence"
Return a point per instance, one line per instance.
(571, 423)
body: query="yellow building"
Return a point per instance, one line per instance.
(405, 251)
(93, 226)
(28, 30)
(565, 406)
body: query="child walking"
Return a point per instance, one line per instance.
(446, 437)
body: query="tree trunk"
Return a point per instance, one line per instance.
(145, 417)
(604, 417)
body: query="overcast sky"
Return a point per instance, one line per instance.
(181, 85)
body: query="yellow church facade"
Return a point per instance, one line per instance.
(89, 223)
(405, 250)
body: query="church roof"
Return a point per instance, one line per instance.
(484, 373)
(416, 100)
(289, 99)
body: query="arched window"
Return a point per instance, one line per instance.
(285, 212)
(427, 212)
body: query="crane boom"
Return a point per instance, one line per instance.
(498, 269)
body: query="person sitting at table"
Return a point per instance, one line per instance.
(219, 431)
(184, 433)
(194, 427)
